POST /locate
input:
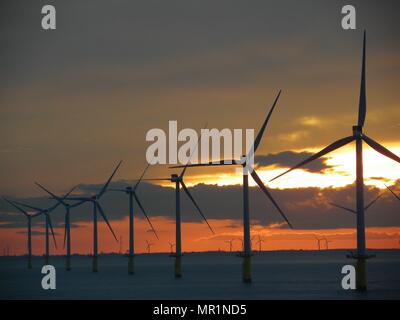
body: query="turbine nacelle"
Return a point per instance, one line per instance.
(357, 132)
(128, 190)
(175, 178)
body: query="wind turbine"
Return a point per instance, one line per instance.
(392, 192)
(241, 241)
(67, 222)
(327, 242)
(178, 180)
(358, 136)
(354, 211)
(171, 246)
(259, 241)
(246, 215)
(149, 244)
(48, 224)
(29, 217)
(131, 192)
(230, 244)
(94, 200)
(319, 242)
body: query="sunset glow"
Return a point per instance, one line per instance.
(341, 174)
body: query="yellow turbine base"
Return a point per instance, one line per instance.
(247, 269)
(361, 274)
(178, 267)
(131, 265)
(95, 266)
(68, 264)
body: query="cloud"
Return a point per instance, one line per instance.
(306, 208)
(291, 158)
(310, 121)
(37, 233)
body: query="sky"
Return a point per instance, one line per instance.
(76, 100)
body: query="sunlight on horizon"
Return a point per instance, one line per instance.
(378, 170)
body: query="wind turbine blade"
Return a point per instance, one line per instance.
(17, 207)
(157, 179)
(145, 214)
(195, 204)
(116, 190)
(381, 149)
(82, 199)
(108, 181)
(77, 204)
(362, 107)
(392, 192)
(52, 231)
(341, 207)
(191, 155)
(106, 220)
(28, 206)
(262, 129)
(141, 177)
(49, 192)
(69, 192)
(258, 180)
(333, 146)
(210, 164)
(373, 201)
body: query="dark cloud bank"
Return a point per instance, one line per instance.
(307, 208)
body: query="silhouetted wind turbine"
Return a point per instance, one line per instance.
(358, 136)
(354, 211)
(171, 246)
(392, 192)
(131, 192)
(48, 225)
(260, 241)
(94, 200)
(29, 217)
(319, 242)
(327, 242)
(178, 180)
(257, 179)
(149, 244)
(230, 244)
(67, 223)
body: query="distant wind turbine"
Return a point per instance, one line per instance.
(67, 222)
(246, 215)
(327, 242)
(48, 224)
(29, 217)
(94, 200)
(319, 242)
(149, 244)
(131, 192)
(358, 136)
(230, 244)
(260, 242)
(171, 246)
